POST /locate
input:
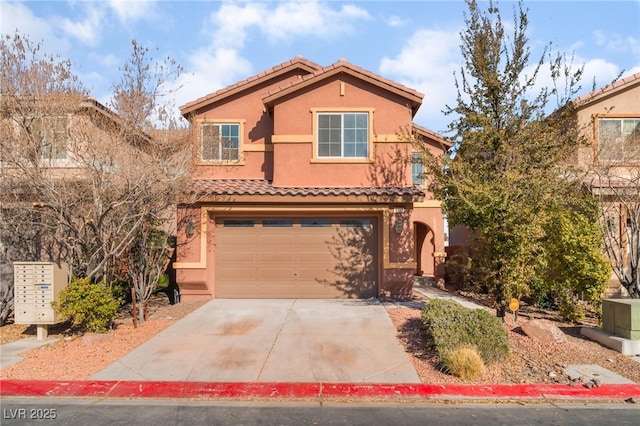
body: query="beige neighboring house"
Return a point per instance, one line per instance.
(47, 143)
(307, 188)
(611, 119)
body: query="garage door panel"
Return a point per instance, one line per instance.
(296, 258)
(313, 241)
(287, 274)
(277, 257)
(235, 291)
(315, 257)
(277, 240)
(275, 290)
(242, 256)
(238, 274)
(316, 292)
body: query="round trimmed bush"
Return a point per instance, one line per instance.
(449, 325)
(91, 307)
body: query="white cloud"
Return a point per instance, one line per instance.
(210, 71)
(395, 21)
(130, 10)
(616, 42)
(232, 23)
(286, 21)
(16, 16)
(89, 30)
(426, 63)
(222, 64)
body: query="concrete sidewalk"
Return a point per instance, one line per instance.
(10, 352)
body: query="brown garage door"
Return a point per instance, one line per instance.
(296, 258)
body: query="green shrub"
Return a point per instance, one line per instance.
(163, 284)
(121, 290)
(91, 307)
(450, 325)
(574, 261)
(463, 362)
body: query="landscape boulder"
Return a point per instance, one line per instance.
(543, 331)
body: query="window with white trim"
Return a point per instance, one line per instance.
(343, 135)
(619, 139)
(220, 142)
(53, 135)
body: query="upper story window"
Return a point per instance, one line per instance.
(619, 139)
(417, 169)
(220, 142)
(52, 132)
(343, 135)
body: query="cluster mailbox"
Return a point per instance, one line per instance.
(36, 285)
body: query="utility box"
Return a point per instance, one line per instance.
(621, 317)
(36, 285)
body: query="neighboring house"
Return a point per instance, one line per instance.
(307, 189)
(611, 119)
(54, 150)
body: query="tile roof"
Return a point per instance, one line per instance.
(263, 187)
(431, 134)
(297, 62)
(603, 91)
(314, 71)
(343, 65)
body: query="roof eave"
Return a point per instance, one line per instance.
(414, 97)
(624, 84)
(251, 82)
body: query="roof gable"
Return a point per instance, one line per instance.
(342, 66)
(297, 63)
(613, 89)
(431, 135)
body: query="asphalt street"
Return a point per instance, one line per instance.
(96, 412)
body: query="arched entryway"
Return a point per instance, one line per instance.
(424, 249)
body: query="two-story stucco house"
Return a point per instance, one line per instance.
(307, 189)
(611, 119)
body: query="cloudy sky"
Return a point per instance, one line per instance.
(415, 43)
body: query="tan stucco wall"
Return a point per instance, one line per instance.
(619, 104)
(278, 143)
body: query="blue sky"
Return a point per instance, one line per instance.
(415, 43)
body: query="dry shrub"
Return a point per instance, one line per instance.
(463, 362)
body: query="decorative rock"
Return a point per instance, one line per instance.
(544, 331)
(96, 338)
(593, 383)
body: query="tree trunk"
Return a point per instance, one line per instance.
(134, 310)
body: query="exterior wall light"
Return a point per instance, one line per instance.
(397, 226)
(189, 229)
(399, 222)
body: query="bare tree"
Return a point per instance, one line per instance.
(142, 100)
(32, 86)
(618, 191)
(80, 182)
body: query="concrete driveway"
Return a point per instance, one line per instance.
(273, 340)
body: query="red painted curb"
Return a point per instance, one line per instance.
(265, 390)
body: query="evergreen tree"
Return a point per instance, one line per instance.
(508, 172)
